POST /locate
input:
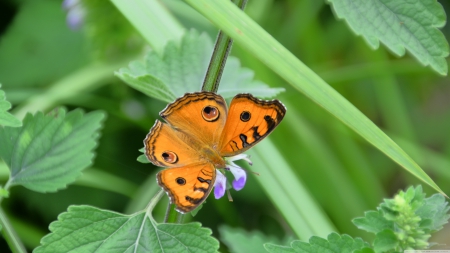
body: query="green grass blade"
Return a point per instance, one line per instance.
(152, 20)
(285, 190)
(253, 38)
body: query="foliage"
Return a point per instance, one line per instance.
(182, 68)
(404, 222)
(399, 25)
(89, 229)
(315, 173)
(49, 151)
(6, 119)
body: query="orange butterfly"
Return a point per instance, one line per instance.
(199, 134)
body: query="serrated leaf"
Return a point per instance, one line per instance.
(6, 119)
(400, 24)
(272, 248)
(335, 243)
(88, 229)
(149, 85)
(143, 159)
(373, 221)
(241, 241)
(237, 79)
(182, 68)
(434, 213)
(49, 151)
(385, 241)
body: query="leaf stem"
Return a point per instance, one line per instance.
(10, 234)
(219, 57)
(151, 205)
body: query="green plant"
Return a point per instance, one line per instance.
(309, 168)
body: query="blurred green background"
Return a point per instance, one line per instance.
(45, 63)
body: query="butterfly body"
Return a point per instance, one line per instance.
(201, 131)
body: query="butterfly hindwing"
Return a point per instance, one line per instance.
(249, 121)
(187, 186)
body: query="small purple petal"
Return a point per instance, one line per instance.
(240, 177)
(75, 18)
(220, 185)
(239, 184)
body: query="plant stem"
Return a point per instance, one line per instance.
(219, 57)
(151, 205)
(172, 216)
(7, 230)
(10, 234)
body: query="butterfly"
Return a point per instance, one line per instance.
(201, 131)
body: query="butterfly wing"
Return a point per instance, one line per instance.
(249, 121)
(188, 186)
(201, 115)
(167, 147)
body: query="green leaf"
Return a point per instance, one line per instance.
(272, 248)
(6, 119)
(400, 24)
(142, 158)
(241, 241)
(49, 151)
(434, 213)
(385, 241)
(373, 221)
(182, 68)
(251, 37)
(88, 229)
(405, 221)
(333, 244)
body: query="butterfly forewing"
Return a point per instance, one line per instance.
(249, 121)
(167, 147)
(201, 115)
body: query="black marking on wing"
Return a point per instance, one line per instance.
(270, 123)
(202, 180)
(193, 201)
(256, 135)
(204, 172)
(233, 148)
(243, 138)
(204, 190)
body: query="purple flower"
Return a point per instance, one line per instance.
(220, 185)
(240, 176)
(75, 13)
